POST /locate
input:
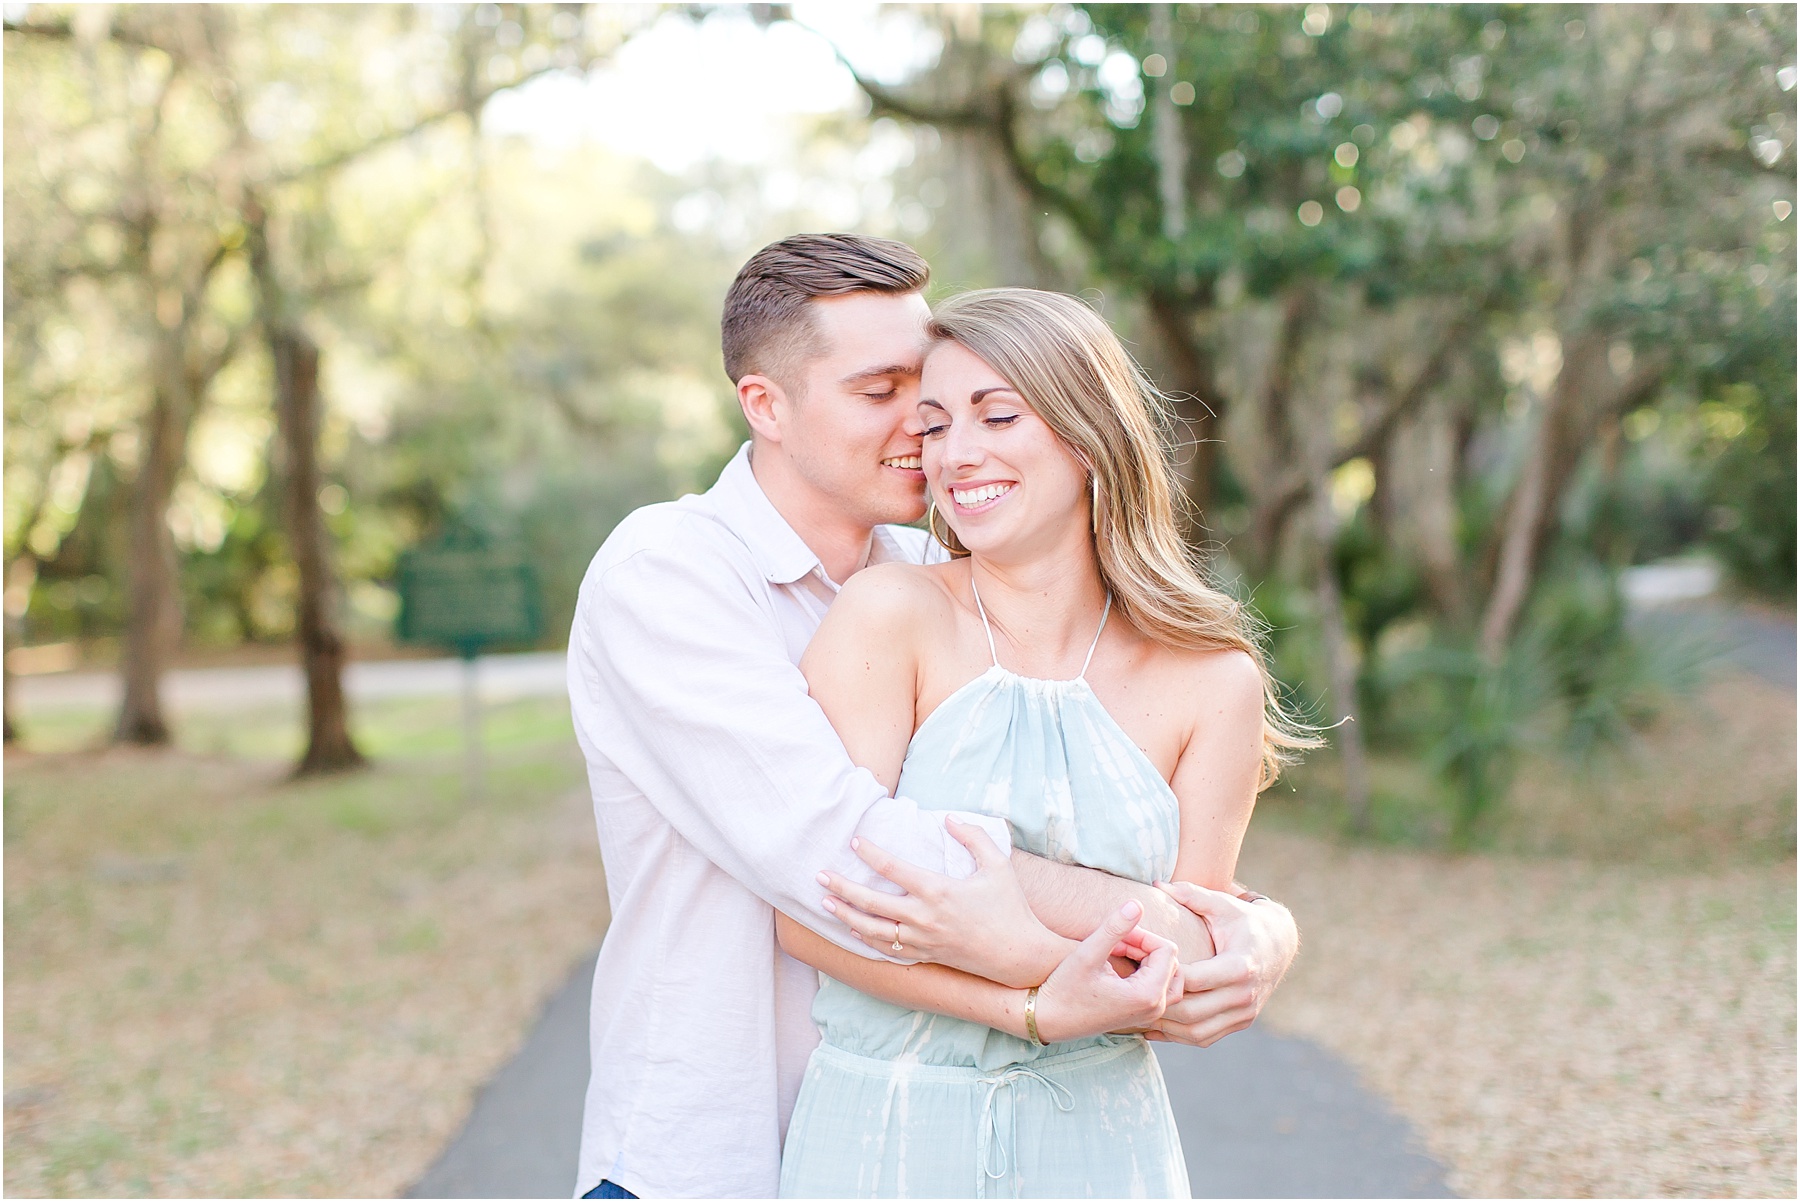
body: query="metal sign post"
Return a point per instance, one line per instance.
(471, 715)
(462, 592)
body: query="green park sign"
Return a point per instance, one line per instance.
(464, 593)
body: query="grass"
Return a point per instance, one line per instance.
(225, 982)
(404, 728)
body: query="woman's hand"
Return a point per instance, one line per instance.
(981, 924)
(1086, 995)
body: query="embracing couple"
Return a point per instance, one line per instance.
(913, 840)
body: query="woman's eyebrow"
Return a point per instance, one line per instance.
(925, 400)
(976, 397)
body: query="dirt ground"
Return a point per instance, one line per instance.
(223, 984)
(1594, 1026)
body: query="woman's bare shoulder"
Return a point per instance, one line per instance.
(1217, 678)
(892, 594)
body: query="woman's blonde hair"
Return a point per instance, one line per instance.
(1067, 363)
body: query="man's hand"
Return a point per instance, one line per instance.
(981, 924)
(1256, 942)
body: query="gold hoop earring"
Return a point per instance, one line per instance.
(931, 525)
(1095, 508)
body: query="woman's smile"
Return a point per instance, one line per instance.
(979, 497)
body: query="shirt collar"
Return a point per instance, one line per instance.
(781, 555)
(887, 548)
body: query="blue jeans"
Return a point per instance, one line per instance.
(607, 1189)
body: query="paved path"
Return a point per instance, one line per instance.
(1752, 639)
(1755, 640)
(499, 678)
(1261, 1116)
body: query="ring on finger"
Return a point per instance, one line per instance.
(897, 946)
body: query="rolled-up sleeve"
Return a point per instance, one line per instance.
(710, 719)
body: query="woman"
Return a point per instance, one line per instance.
(1071, 671)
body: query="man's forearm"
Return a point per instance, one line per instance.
(1073, 901)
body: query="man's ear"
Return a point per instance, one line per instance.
(764, 403)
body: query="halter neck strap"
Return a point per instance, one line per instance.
(982, 610)
(989, 629)
(1095, 645)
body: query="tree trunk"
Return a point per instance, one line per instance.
(328, 744)
(153, 615)
(1432, 442)
(1199, 405)
(1272, 504)
(1526, 518)
(1169, 146)
(13, 629)
(295, 358)
(1318, 447)
(1584, 397)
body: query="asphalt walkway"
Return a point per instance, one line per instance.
(1261, 1116)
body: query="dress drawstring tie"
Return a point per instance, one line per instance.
(990, 1141)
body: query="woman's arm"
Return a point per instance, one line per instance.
(916, 986)
(1216, 777)
(862, 665)
(1084, 996)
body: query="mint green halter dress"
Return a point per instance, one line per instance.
(909, 1104)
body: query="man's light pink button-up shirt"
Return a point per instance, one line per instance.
(720, 791)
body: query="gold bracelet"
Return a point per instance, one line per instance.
(1031, 1017)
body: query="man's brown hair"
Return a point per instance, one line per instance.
(768, 326)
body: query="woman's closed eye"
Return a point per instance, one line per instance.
(993, 423)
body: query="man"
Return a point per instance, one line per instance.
(721, 792)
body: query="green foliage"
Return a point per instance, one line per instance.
(1578, 681)
(1607, 680)
(1746, 442)
(1471, 718)
(1523, 274)
(1752, 484)
(501, 325)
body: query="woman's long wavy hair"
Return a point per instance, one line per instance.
(1067, 363)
